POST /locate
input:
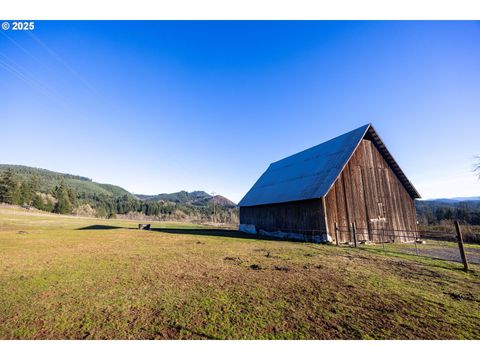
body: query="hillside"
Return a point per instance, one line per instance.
(199, 198)
(87, 187)
(183, 197)
(66, 194)
(432, 212)
(217, 199)
(48, 180)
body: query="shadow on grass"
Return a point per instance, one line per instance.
(227, 233)
(101, 227)
(215, 232)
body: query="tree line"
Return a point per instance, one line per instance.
(434, 213)
(63, 199)
(60, 200)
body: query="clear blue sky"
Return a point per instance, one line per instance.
(165, 106)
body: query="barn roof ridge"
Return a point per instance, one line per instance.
(309, 174)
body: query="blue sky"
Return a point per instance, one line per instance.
(165, 106)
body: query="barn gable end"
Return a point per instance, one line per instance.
(369, 193)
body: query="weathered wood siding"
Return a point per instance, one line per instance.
(293, 216)
(369, 193)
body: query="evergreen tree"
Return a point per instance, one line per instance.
(38, 202)
(112, 214)
(72, 196)
(63, 205)
(34, 184)
(9, 188)
(49, 206)
(101, 212)
(25, 194)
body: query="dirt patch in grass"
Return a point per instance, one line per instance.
(464, 296)
(256, 267)
(281, 268)
(232, 259)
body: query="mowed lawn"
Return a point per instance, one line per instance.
(78, 278)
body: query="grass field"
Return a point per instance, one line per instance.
(78, 278)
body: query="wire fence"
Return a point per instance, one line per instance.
(352, 234)
(445, 245)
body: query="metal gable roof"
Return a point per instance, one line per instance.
(309, 174)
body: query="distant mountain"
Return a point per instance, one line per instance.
(455, 200)
(197, 198)
(49, 179)
(178, 197)
(217, 199)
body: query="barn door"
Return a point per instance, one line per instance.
(374, 214)
(378, 223)
(360, 210)
(384, 222)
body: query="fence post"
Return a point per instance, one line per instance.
(336, 232)
(460, 245)
(354, 228)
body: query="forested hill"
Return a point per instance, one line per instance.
(48, 180)
(200, 198)
(71, 194)
(432, 212)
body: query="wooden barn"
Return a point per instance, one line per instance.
(345, 190)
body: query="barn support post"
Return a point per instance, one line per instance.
(354, 230)
(460, 245)
(336, 232)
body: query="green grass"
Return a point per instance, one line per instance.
(191, 282)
